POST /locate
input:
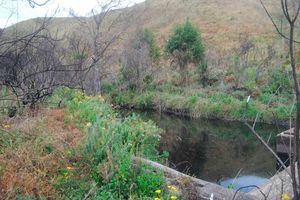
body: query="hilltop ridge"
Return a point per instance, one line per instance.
(221, 22)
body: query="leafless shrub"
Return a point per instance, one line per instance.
(136, 61)
(33, 65)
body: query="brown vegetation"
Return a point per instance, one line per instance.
(220, 21)
(29, 169)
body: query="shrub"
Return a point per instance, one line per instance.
(280, 81)
(149, 37)
(185, 45)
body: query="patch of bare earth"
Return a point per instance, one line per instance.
(30, 168)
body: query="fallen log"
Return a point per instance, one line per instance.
(204, 189)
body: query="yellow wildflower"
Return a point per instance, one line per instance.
(69, 168)
(285, 197)
(158, 191)
(6, 126)
(173, 197)
(172, 188)
(157, 198)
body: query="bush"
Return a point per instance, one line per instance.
(280, 81)
(149, 37)
(185, 45)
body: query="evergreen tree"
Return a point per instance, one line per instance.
(185, 46)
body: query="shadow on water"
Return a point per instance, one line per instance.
(226, 153)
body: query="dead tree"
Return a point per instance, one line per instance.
(33, 65)
(102, 30)
(137, 61)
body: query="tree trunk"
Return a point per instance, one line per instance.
(295, 157)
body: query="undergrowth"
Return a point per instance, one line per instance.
(105, 169)
(83, 151)
(211, 104)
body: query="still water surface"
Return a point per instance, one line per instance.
(226, 153)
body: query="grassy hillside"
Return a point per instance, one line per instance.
(220, 21)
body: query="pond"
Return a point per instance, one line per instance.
(226, 153)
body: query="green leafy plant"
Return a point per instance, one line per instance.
(149, 37)
(185, 46)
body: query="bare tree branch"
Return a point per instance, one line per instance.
(34, 3)
(273, 22)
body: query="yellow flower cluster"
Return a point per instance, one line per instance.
(173, 197)
(172, 188)
(80, 97)
(285, 197)
(6, 126)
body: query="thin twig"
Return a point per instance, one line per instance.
(249, 186)
(274, 24)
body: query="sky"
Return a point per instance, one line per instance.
(12, 11)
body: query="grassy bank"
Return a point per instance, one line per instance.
(210, 104)
(82, 151)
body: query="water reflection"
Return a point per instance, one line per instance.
(243, 181)
(216, 151)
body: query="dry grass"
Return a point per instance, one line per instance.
(29, 169)
(220, 21)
